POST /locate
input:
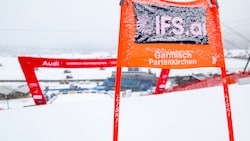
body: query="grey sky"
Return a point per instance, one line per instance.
(91, 24)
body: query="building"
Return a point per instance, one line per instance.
(14, 91)
(133, 80)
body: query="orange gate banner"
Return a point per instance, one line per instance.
(166, 34)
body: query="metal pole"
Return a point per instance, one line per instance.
(246, 64)
(7, 100)
(227, 104)
(117, 103)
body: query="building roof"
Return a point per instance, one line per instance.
(6, 90)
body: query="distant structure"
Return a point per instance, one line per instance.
(180, 80)
(133, 79)
(134, 69)
(137, 80)
(8, 92)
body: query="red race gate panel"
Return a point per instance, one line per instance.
(168, 34)
(28, 65)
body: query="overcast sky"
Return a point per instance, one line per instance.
(92, 24)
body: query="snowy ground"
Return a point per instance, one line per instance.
(191, 115)
(197, 115)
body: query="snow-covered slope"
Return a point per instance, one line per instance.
(191, 115)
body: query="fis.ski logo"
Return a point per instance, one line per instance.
(169, 24)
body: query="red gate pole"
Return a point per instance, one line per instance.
(117, 103)
(31, 80)
(227, 104)
(162, 80)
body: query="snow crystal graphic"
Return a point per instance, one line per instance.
(145, 24)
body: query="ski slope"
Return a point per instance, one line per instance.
(196, 115)
(191, 116)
